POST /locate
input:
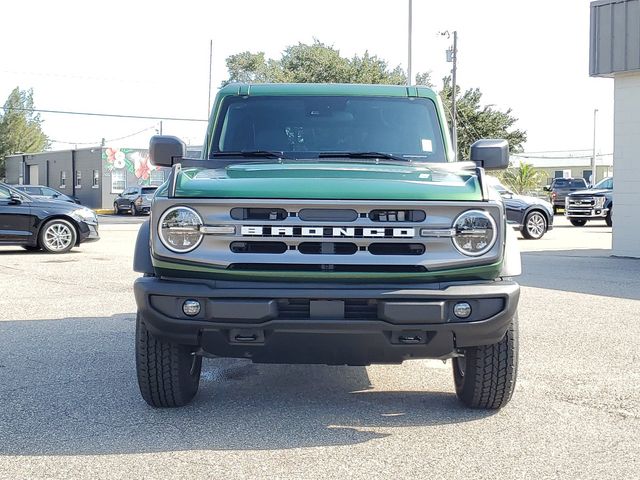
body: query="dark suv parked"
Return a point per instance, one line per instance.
(50, 225)
(134, 200)
(561, 187)
(593, 204)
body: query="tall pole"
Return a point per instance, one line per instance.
(454, 116)
(409, 75)
(210, 62)
(593, 157)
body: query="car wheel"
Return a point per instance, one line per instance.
(134, 210)
(535, 225)
(168, 373)
(31, 248)
(578, 222)
(485, 376)
(609, 218)
(57, 236)
(116, 209)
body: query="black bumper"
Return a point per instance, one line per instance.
(88, 232)
(333, 325)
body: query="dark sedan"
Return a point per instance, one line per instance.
(532, 216)
(51, 225)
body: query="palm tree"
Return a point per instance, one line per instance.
(522, 178)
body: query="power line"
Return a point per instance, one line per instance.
(107, 140)
(93, 114)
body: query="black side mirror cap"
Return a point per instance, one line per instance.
(15, 199)
(490, 154)
(547, 188)
(165, 150)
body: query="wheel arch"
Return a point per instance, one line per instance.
(60, 216)
(142, 253)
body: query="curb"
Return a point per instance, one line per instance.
(103, 211)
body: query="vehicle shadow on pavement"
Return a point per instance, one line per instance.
(68, 387)
(590, 271)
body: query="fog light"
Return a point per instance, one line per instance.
(191, 308)
(462, 309)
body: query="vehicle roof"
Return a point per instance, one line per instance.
(327, 89)
(31, 185)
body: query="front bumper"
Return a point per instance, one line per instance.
(586, 214)
(343, 324)
(88, 232)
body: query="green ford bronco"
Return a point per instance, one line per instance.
(327, 224)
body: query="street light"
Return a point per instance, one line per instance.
(409, 79)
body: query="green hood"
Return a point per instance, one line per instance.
(331, 180)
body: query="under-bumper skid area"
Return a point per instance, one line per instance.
(335, 325)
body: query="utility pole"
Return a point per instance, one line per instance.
(160, 127)
(454, 109)
(593, 157)
(210, 62)
(452, 57)
(409, 74)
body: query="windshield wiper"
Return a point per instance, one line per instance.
(250, 154)
(386, 156)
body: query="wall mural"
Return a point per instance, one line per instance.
(134, 160)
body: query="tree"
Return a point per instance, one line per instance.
(521, 178)
(476, 121)
(20, 127)
(314, 63)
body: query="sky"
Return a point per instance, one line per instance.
(152, 58)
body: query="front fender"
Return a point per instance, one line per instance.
(512, 264)
(142, 253)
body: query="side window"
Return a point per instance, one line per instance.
(48, 192)
(4, 193)
(34, 191)
(96, 179)
(118, 180)
(63, 179)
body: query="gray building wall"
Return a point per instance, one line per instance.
(615, 37)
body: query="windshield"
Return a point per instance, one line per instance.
(570, 183)
(148, 190)
(606, 184)
(304, 126)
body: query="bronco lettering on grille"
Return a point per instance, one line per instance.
(352, 232)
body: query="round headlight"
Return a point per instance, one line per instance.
(179, 229)
(475, 232)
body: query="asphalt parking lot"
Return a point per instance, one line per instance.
(70, 405)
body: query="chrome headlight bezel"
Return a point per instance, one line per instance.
(478, 213)
(193, 228)
(85, 214)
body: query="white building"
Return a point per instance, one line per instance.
(615, 53)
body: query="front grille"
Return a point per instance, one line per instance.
(397, 215)
(580, 205)
(354, 309)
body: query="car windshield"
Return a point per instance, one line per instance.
(148, 190)
(306, 126)
(606, 183)
(570, 183)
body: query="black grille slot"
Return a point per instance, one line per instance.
(293, 308)
(258, 247)
(354, 309)
(239, 213)
(327, 215)
(300, 267)
(327, 248)
(397, 215)
(361, 309)
(396, 249)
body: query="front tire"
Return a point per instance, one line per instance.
(486, 376)
(116, 209)
(535, 225)
(577, 222)
(57, 236)
(168, 373)
(609, 218)
(134, 210)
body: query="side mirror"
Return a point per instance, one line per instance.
(547, 188)
(490, 154)
(15, 199)
(165, 150)
(56, 195)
